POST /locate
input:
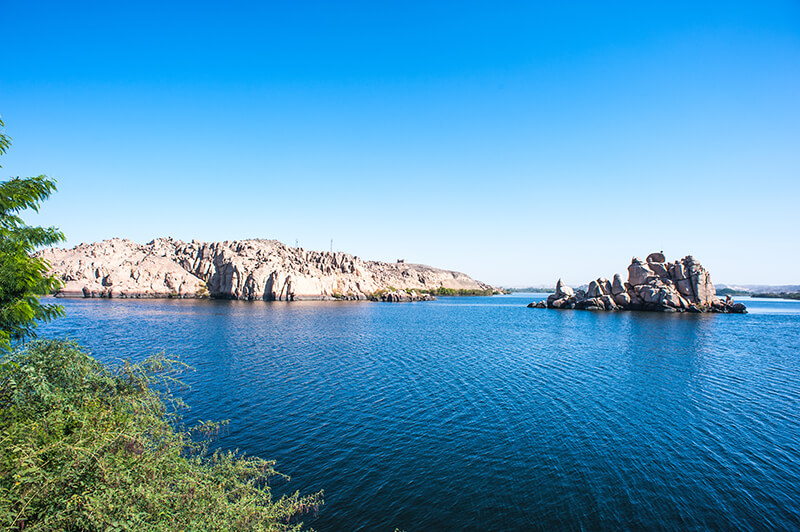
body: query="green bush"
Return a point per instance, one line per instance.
(23, 278)
(87, 447)
(442, 291)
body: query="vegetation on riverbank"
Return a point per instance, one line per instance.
(780, 295)
(88, 447)
(23, 278)
(442, 291)
(769, 295)
(535, 290)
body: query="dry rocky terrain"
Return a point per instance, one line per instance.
(244, 269)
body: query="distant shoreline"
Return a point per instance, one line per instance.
(781, 295)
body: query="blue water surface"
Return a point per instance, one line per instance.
(480, 414)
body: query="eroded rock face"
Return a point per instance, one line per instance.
(654, 284)
(617, 286)
(639, 273)
(246, 269)
(563, 290)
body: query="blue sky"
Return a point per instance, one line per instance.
(515, 142)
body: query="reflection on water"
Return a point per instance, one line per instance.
(481, 414)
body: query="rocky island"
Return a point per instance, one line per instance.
(244, 269)
(654, 285)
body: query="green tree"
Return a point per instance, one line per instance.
(23, 278)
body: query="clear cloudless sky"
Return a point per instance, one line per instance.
(517, 142)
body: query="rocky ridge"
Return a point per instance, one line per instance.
(244, 269)
(654, 284)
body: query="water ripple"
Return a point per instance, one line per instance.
(480, 414)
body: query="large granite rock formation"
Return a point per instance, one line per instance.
(246, 269)
(653, 284)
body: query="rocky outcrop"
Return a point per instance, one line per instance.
(398, 296)
(246, 269)
(653, 284)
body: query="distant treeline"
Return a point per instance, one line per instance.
(771, 295)
(536, 289)
(781, 295)
(441, 291)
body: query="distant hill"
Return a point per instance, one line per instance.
(786, 291)
(781, 295)
(746, 289)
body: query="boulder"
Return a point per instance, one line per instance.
(737, 308)
(622, 300)
(605, 286)
(639, 273)
(684, 286)
(702, 287)
(660, 269)
(617, 287)
(590, 303)
(651, 295)
(690, 266)
(656, 257)
(673, 299)
(609, 303)
(594, 290)
(563, 290)
(675, 271)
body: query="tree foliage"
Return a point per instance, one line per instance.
(85, 447)
(23, 278)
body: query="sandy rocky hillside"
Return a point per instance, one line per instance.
(245, 269)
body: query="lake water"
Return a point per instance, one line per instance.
(481, 414)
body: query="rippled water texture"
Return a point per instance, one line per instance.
(481, 414)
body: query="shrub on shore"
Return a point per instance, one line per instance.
(23, 278)
(87, 447)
